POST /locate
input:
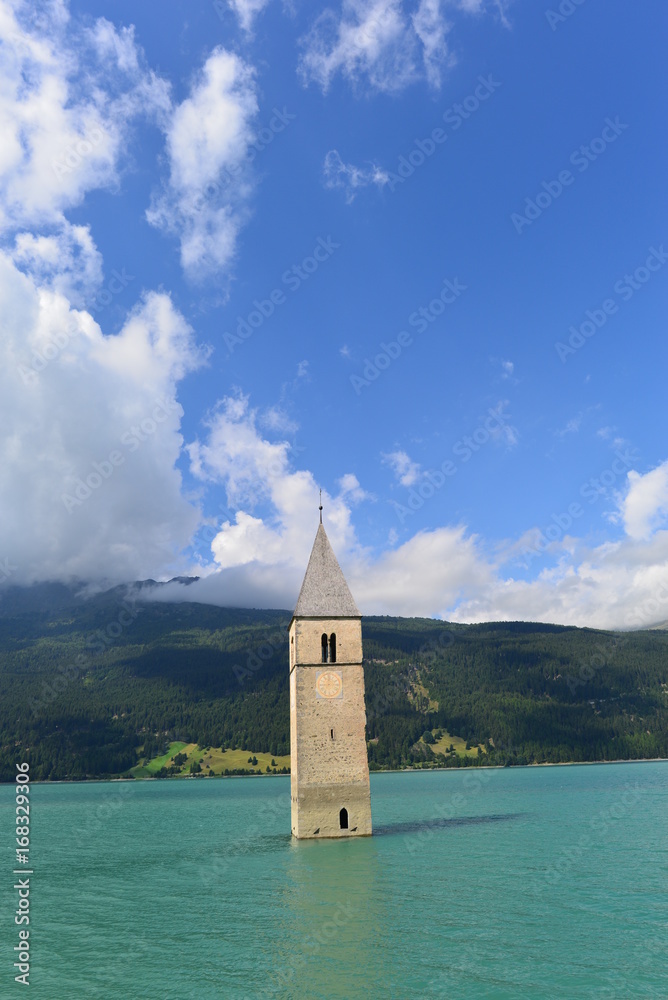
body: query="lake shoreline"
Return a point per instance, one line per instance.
(396, 770)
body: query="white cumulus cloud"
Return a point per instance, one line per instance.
(205, 199)
(258, 555)
(645, 506)
(90, 489)
(448, 572)
(68, 96)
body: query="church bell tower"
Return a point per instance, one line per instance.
(329, 769)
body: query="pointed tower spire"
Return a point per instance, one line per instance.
(324, 592)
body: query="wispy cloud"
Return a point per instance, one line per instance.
(349, 178)
(383, 45)
(432, 29)
(369, 40)
(276, 419)
(405, 469)
(506, 369)
(247, 11)
(351, 490)
(572, 426)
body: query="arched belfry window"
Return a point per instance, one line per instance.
(323, 643)
(332, 648)
(343, 819)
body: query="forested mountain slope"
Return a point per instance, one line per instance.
(85, 683)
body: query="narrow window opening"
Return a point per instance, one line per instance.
(343, 819)
(323, 644)
(332, 648)
(331, 734)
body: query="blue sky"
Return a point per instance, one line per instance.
(282, 189)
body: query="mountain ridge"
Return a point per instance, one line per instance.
(87, 681)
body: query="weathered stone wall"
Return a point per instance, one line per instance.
(316, 812)
(322, 758)
(307, 634)
(327, 735)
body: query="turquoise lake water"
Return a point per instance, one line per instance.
(505, 884)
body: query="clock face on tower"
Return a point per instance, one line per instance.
(328, 684)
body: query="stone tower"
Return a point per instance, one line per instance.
(329, 768)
